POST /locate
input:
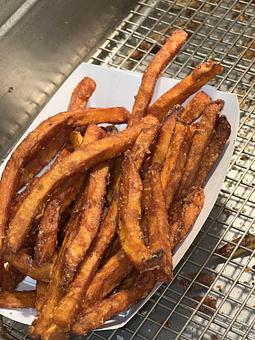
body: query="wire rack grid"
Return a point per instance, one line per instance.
(222, 306)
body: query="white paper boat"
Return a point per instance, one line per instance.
(118, 88)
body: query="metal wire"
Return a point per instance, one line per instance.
(223, 29)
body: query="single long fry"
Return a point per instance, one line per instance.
(195, 107)
(96, 315)
(47, 234)
(25, 299)
(41, 291)
(36, 140)
(107, 278)
(25, 264)
(158, 227)
(201, 139)
(186, 87)
(81, 94)
(213, 151)
(185, 214)
(80, 160)
(89, 220)
(175, 161)
(152, 73)
(130, 232)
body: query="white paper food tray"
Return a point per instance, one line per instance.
(118, 88)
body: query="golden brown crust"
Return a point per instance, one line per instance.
(213, 151)
(175, 161)
(152, 73)
(158, 227)
(186, 87)
(184, 215)
(47, 233)
(25, 299)
(41, 291)
(107, 278)
(89, 220)
(81, 94)
(10, 276)
(195, 107)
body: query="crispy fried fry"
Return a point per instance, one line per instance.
(200, 141)
(152, 73)
(25, 264)
(25, 299)
(186, 87)
(175, 161)
(80, 160)
(47, 233)
(158, 227)
(96, 315)
(195, 107)
(81, 94)
(185, 214)
(130, 232)
(107, 278)
(41, 291)
(89, 220)
(213, 151)
(36, 140)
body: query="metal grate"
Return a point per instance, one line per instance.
(224, 30)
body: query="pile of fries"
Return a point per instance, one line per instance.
(98, 228)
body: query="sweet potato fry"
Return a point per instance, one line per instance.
(47, 233)
(41, 291)
(186, 87)
(213, 151)
(175, 161)
(185, 214)
(130, 232)
(96, 315)
(37, 139)
(25, 264)
(89, 220)
(25, 299)
(195, 107)
(107, 278)
(152, 73)
(81, 94)
(199, 144)
(158, 227)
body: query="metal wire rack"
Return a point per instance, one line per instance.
(221, 307)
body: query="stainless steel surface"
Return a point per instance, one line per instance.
(41, 42)
(223, 29)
